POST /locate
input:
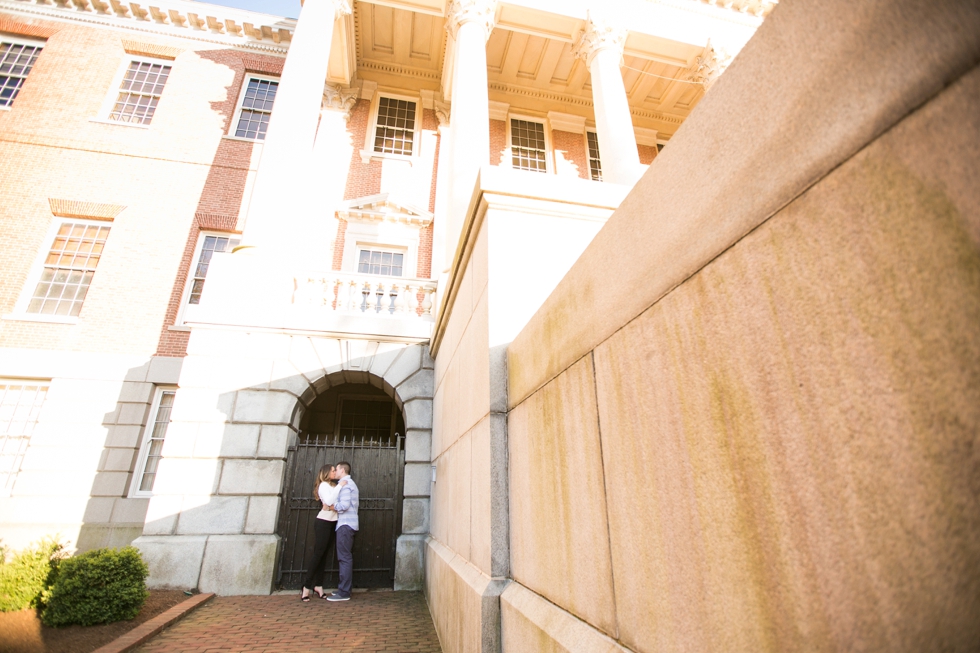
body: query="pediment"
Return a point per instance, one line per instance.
(384, 207)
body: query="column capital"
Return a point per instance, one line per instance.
(708, 66)
(340, 7)
(600, 34)
(443, 110)
(471, 11)
(339, 98)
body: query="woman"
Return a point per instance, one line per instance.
(326, 490)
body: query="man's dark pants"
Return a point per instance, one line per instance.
(345, 559)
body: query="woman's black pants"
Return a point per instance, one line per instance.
(325, 533)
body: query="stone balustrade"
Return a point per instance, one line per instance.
(367, 294)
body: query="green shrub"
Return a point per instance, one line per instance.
(97, 587)
(25, 576)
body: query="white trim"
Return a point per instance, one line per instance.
(549, 150)
(645, 136)
(144, 448)
(368, 153)
(20, 40)
(37, 268)
(566, 122)
(110, 99)
(393, 249)
(186, 311)
(233, 125)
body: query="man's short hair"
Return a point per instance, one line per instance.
(346, 466)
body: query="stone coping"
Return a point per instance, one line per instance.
(148, 629)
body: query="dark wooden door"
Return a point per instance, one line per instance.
(377, 468)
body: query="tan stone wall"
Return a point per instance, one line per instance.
(776, 453)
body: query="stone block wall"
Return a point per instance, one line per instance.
(238, 408)
(757, 438)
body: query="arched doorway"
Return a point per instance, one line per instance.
(362, 425)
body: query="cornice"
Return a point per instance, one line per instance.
(578, 101)
(169, 18)
(395, 69)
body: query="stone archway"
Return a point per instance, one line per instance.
(238, 407)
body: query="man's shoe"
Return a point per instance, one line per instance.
(337, 596)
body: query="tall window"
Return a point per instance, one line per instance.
(256, 107)
(16, 61)
(375, 261)
(595, 165)
(527, 145)
(152, 449)
(20, 405)
(68, 269)
(395, 131)
(210, 245)
(140, 92)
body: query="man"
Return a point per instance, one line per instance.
(346, 508)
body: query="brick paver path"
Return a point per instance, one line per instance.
(370, 622)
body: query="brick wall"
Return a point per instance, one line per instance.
(572, 148)
(647, 153)
(498, 142)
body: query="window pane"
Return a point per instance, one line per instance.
(66, 278)
(20, 406)
(380, 262)
(395, 130)
(140, 91)
(253, 121)
(153, 451)
(211, 245)
(528, 145)
(16, 61)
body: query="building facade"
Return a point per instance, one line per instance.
(237, 245)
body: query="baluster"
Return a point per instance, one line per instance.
(353, 297)
(386, 292)
(400, 304)
(336, 294)
(412, 293)
(427, 301)
(372, 299)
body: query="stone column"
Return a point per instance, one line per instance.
(332, 153)
(469, 23)
(443, 173)
(602, 48)
(279, 202)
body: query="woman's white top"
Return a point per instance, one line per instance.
(328, 495)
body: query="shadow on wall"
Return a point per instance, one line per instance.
(215, 460)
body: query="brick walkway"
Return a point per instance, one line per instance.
(370, 622)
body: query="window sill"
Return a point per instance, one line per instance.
(31, 317)
(178, 327)
(118, 123)
(367, 156)
(241, 139)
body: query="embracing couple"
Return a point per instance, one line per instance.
(338, 493)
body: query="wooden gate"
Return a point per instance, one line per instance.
(377, 467)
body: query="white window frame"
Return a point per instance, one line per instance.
(187, 310)
(17, 40)
(588, 153)
(549, 150)
(145, 439)
(37, 269)
(109, 102)
(6, 488)
(394, 249)
(368, 152)
(233, 127)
